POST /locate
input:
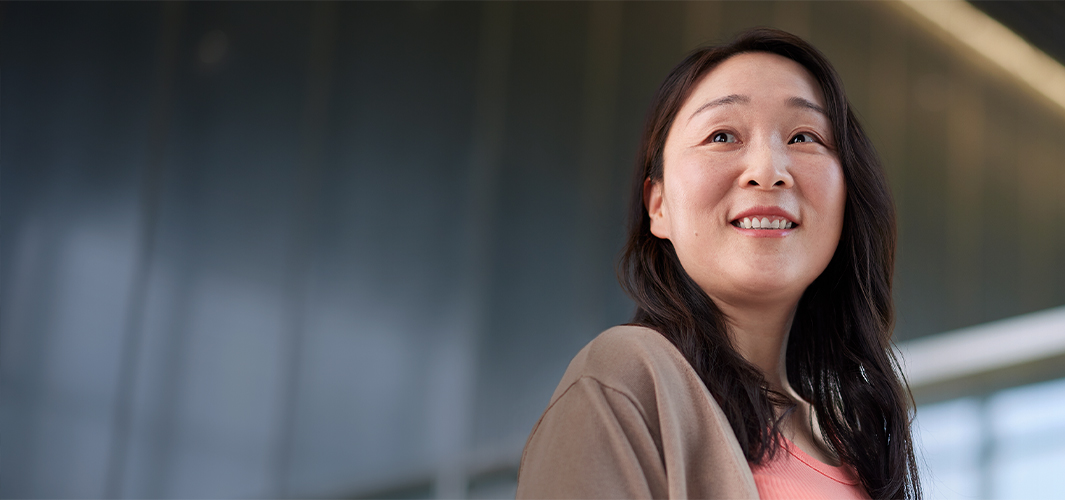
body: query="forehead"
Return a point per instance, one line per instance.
(761, 76)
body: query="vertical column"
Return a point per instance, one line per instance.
(452, 374)
(1056, 177)
(1039, 260)
(888, 86)
(133, 329)
(303, 232)
(596, 169)
(985, 469)
(965, 174)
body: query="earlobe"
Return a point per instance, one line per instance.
(652, 199)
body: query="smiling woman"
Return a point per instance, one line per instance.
(760, 255)
(737, 167)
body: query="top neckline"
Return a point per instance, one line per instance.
(843, 473)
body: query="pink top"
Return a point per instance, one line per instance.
(796, 475)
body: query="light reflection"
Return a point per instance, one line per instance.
(997, 44)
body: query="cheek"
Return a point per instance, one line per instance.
(696, 187)
(836, 198)
(828, 196)
(825, 189)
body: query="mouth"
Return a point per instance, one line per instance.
(764, 222)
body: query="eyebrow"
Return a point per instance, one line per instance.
(721, 101)
(798, 102)
(795, 102)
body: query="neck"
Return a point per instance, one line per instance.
(759, 333)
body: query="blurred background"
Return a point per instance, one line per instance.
(347, 250)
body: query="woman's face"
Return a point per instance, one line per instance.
(752, 147)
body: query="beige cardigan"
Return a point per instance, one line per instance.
(631, 419)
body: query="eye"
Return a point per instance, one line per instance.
(723, 137)
(802, 137)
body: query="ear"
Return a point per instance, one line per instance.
(652, 199)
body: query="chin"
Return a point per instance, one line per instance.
(758, 287)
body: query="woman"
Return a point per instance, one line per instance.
(760, 255)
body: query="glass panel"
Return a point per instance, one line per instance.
(1024, 429)
(947, 436)
(1028, 427)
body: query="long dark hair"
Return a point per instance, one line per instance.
(839, 356)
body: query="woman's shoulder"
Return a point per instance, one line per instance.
(634, 360)
(626, 346)
(631, 419)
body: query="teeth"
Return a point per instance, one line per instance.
(764, 223)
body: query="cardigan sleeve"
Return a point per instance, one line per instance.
(592, 442)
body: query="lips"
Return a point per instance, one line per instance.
(765, 218)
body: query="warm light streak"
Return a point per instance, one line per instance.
(996, 43)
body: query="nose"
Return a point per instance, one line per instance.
(768, 165)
